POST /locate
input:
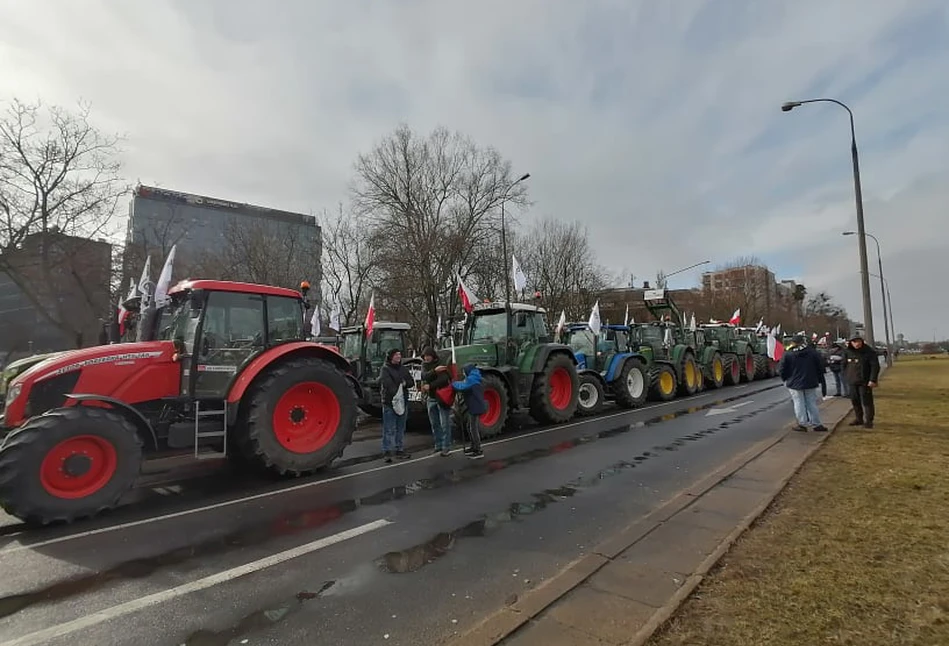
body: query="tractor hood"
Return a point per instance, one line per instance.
(112, 368)
(480, 354)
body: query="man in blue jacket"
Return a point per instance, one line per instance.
(472, 393)
(801, 370)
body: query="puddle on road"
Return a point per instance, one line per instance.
(297, 522)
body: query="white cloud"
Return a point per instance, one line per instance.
(649, 121)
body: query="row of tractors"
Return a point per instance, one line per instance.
(226, 370)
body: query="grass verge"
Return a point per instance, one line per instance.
(856, 550)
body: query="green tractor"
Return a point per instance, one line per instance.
(671, 355)
(764, 366)
(737, 353)
(368, 357)
(521, 366)
(710, 358)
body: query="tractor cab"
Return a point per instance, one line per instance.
(368, 356)
(498, 335)
(595, 352)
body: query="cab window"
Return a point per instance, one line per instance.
(284, 319)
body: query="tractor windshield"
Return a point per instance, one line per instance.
(648, 334)
(352, 344)
(488, 328)
(178, 322)
(582, 341)
(383, 341)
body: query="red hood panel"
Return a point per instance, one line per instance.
(119, 353)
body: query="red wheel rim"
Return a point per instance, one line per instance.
(561, 388)
(78, 467)
(306, 417)
(749, 365)
(493, 399)
(735, 370)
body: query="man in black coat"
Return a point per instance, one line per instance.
(861, 368)
(395, 409)
(801, 370)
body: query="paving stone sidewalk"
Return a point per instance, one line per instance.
(629, 586)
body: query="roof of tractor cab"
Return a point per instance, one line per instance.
(378, 325)
(583, 325)
(499, 306)
(231, 286)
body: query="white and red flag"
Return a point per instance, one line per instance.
(371, 315)
(468, 299)
(736, 317)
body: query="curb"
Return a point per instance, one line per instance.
(668, 610)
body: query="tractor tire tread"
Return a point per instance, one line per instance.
(540, 407)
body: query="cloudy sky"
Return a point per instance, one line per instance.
(646, 119)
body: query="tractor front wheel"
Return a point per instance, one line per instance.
(555, 390)
(299, 417)
(632, 385)
(691, 375)
(67, 464)
(591, 397)
(664, 382)
(498, 401)
(716, 376)
(747, 366)
(732, 370)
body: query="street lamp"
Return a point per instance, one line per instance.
(889, 304)
(858, 197)
(679, 271)
(507, 274)
(883, 291)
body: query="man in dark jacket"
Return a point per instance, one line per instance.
(836, 361)
(472, 393)
(801, 370)
(393, 377)
(861, 368)
(435, 377)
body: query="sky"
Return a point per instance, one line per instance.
(658, 124)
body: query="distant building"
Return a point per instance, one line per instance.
(613, 303)
(59, 306)
(244, 240)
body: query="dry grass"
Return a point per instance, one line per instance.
(856, 550)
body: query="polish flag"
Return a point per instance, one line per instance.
(371, 315)
(561, 323)
(468, 299)
(736, 317)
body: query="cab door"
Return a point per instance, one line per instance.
(232, 332)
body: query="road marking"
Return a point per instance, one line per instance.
(727, 409)
(266, 494)
(48, 634)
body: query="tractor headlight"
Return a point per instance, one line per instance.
(13, 392)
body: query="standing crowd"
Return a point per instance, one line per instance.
(855, 367)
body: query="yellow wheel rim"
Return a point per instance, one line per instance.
(719, 370)
(690, 374)
(665, 383)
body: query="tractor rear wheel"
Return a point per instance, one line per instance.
(555, 391)
(664, 382)
(747, 366)
(732, 370)
(716, 371)
(632, 385)
(591, 397)
(761, 366)
(498, 400)
(67, 464)
(298, 418)
(691, 375)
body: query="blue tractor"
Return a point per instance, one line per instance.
(606, 368)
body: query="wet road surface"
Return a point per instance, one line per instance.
(370, 553)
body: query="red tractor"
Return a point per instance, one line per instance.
(224, 371)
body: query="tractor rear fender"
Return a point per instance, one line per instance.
(145, 430)
(280, 353)
(507, 375)
(619, 360)
(593, 373)
(544, 352)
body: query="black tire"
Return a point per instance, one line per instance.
(746, 361)
(631, 387)
(732, 369)
(711, 379)
(374, 412)
(256, 436)
(542, 401)
(761, 366)
(493, 383)
(656, 380)
(591, 396)
(688, 359)
(22, 492)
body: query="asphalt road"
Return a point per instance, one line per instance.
(407, 553)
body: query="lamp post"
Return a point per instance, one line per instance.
(889, 304)
(858, 197)
(507, 274)
(684, 269)
(883, 292)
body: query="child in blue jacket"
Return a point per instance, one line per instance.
(472, 393)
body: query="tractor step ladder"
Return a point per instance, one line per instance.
(199, 435)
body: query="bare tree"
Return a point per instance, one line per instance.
(432, 206)
(350, 263)
(823, 314)
(59, 177)
(561, 265)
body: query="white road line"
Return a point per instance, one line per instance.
(11, 549)
(48, 634)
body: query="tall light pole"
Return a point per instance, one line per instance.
(883, 291)
(889, 304)
(507, 273)
(858, 196)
